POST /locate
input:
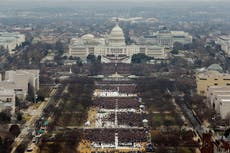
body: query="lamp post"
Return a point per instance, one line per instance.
(35, 97)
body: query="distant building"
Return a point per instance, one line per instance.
(20, 81)
(10, 41)
(165, 38)
(212, 145)
(112, 48)
(219, 100)
(211, 78)
(49, 58)
(224, 42)
(7, 100)
(49, 38)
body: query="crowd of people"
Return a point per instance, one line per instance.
(130, 88)
(99, 135)
(118, 117)
(132, 135)
(130, 119)
(108, 135)
(113, 82)
(121, 68)
(110, 102)
(130, 102)
(105, 119)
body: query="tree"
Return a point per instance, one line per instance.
(91, 58)
(140, 58)
(21, 148)
(227, 132)
(60, 47)
(17, 101)
(4, 117)
(1, 143)
(99, 59)
(31, 94)
(54, 148)
(6, 145)
(162, 149)
(19, 116)
(79, 61)
(174, 51)
(14, 130)
(178, 46)
(42, 93)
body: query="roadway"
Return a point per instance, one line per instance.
(30, 124)
(97, 128)
(192, 117)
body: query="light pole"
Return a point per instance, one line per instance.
(35, 97)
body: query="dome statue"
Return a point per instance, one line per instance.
(116, 37)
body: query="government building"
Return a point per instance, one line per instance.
(165, 38)
(10, 41)
(213, 76)
(224, 42)
(19, 81)
(112, 48)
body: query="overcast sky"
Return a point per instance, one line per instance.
(121, 3)
(8, 1)
(69, 1)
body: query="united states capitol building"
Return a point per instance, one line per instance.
(10, 41)
(165, 38)
(112, 48)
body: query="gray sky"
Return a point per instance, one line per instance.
(36, 3)
(9, 1)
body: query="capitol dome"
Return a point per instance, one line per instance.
(117, 32)
(116, 37)
(87, 36)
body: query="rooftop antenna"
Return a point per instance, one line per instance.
(117, 21)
